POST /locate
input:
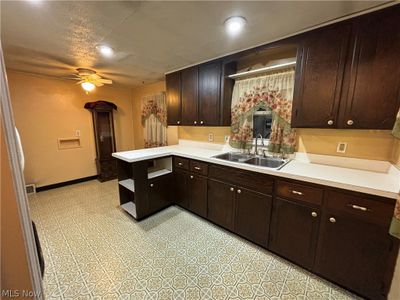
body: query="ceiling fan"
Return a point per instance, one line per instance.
(88, 79)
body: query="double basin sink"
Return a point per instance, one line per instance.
(269, 162)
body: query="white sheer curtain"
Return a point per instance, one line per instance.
(154, 110)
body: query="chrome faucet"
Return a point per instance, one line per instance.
(256, 146)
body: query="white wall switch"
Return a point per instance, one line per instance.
(341, 147)
(77, 133)
(211, 137)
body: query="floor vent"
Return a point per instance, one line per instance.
(30, 189)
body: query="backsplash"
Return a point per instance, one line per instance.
(367, 144)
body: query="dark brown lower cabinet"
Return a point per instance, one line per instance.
(198, 194)
(158, 193)
(252, 218)
(221, 203)
(355, 254)
(294, 231)
(191, 192)
(181, 189)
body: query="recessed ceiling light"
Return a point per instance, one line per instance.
(105, 50)
(88, 86)
(234, 25)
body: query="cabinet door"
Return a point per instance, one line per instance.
(373, 96)
(294, 231)
(253, 212)
(319, 73)
(354, 254)
(221, 203)
(159, 193)
(181, 189)
(189, 81)
(174, 108)
(198, 195)
(209, 93)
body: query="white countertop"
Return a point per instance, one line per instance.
(382, 179)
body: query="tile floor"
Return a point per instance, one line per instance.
(94, 250)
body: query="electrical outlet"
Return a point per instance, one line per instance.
(211, 137)
(77, 133)
(341, 147)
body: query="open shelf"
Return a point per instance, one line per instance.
(128, 183)
(130, 208)
(157, 173)
(159, 167)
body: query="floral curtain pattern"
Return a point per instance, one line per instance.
(154, 120)
(395, 224)
(273, 92)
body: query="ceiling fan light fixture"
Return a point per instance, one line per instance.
(88, 86)
(105, 50)
(235, 24)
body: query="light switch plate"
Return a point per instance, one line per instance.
(77, 133)
(341, 147)
(226, 138)
(211, 137)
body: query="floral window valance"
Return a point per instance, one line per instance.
(273, 92)
(155, 105)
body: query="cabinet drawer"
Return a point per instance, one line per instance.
(253, 181)
(370, 210)
(299, 192)
(199, 167)
(181, 163)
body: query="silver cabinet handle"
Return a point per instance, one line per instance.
(362, 208)
(201, 122)
(314, 214)
(151, 184)
(197, 168)
(178, 122)
(195, 122)
(232, 189)
(332, 220)
(350, 122)
(330, 122)
(191, 176)
(297, 193)
(239, 191)
(180, 164)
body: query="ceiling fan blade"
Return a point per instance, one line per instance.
(105, 81)
(98, 83)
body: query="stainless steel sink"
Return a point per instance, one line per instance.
(268, 162)
(233, 156)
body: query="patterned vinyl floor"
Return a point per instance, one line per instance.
(94, 250)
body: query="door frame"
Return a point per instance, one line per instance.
(19, 182)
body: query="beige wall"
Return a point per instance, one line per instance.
(137, 95)
(396, 152)
(46, 109)
(369, 144)
(14, 263)
(201, 133)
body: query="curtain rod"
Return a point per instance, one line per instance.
(261, 70)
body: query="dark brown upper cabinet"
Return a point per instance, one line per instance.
(209, 93)
(372, 96)
(319, 73)
(348, 74)
(190, 95)
(201, 95)
(174, 104)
